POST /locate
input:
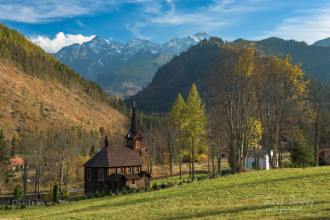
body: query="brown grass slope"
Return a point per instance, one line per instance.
(21, 98)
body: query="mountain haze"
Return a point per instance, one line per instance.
(105, 63)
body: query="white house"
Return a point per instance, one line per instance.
(263, 159)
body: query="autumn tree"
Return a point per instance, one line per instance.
(231, 80)
(193, 127)
(26, 152)
(62, 145)
(175, 120)
(281, 91)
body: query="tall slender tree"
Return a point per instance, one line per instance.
(193, 127)
(175, 121)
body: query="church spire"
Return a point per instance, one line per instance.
(134, 128)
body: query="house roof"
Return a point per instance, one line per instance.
(115, 156)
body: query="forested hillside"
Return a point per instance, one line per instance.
(190, 67)
(177, 76)
(18, 50)
(37, 92)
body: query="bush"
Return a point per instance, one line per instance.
(97, 195)
(146, 188)
(89, 196)
(117, 192)
(127, 188)
(163, 185)
(155, 186)
(18, 168)
(66, 194)
(56, 195)
(110, 194)
(106, 190)
(124, 191)
(180, 183)
(49, 196)
(18, 192)
(23, 206)
(138, 189)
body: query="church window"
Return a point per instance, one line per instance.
(137, 144)
(89, 174)
(101, 174)
(129, 170)
(130, 143)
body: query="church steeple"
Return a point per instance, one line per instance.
(134, 137)
(134, 128)
(106, 141)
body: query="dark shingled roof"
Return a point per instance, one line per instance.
(115, 156)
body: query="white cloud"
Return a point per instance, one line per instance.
(61, 40)
(310, 25)
(36, 11)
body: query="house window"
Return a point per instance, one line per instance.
(89, 174)
(129, 170)
(121, 170)
(137, 144)
(133, 181)
(101, 174)
(137, 169)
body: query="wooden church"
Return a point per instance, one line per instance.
(119, 165)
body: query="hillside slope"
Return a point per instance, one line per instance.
(178, 75)
(189, 67)
(240, 196)
(21, 98)
(37, 90)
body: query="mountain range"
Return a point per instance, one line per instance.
(123, 69)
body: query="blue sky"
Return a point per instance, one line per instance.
(57, 23)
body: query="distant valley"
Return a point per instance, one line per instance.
(123, 69)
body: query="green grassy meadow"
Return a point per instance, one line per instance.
(240, 196)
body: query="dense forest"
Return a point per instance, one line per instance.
(190, 67)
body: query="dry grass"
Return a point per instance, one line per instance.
(21, 97)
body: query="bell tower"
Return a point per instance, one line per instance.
(134, 137)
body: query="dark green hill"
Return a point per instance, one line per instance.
(179, 74)
(324, 42)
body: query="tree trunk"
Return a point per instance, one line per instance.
(61, 175)
(219, 161)
(316, 150)
(193, 159)
(25, 178)
(208, 159)
(180, 161)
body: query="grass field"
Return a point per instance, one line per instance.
(300, 194)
